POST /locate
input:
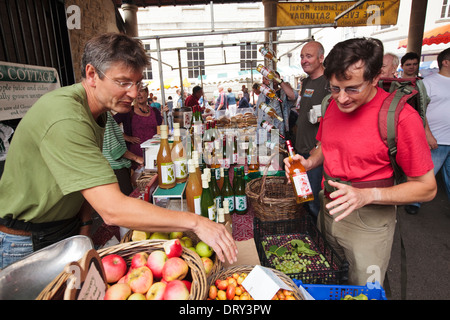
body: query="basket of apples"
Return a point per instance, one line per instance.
(153, 270)
(190, 240)
(229, 284)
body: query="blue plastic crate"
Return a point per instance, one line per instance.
(336, 292)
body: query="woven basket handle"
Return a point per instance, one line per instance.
(262, 191)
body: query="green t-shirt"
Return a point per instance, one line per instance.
(55, 153)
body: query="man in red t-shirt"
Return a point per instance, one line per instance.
(358, 203)
(192, 100)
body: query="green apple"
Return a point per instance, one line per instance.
(176, 235)
(137, 296)
(203, 249)
(159, 235)
(192, 248)
(187, 242)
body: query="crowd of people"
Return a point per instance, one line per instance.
(68, 176)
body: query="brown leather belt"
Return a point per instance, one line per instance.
(14, 232)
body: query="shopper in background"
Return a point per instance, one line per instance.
(242, 100)
(56, 154)
(390, 65)
(221, 101)
(194, 99)
(410, 65)
(313, 90)
(231, 101)
(140, 124)
(156, 104)
(358, 203)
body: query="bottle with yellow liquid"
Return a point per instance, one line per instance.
(269, 74)
(179, 156)
(207, 203)
(165, 165)
(299, 178)
(269, 93)
(193, 190)
(270, 111)
(268, 54)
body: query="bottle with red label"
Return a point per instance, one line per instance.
(299, 177)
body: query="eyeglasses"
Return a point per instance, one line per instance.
(348, 90)
(126, 85)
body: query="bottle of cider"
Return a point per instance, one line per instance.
(227, 192)
(217, 195)
(240, 197)
(222, 178)
(193, 190)
(270, 111)
(268, 54)
(269, 74)
(208, 206)
(268, 126)
(179, 156)
(269, 93)
(166, 167)
(226, 209)
(299, 177)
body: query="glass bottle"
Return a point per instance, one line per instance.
(226, 160)
(269, 74)
(165, 165)
(270, 111)
(227, 216)
(179, 156)
(221, 216)
(217, 195)
(240, 196)
(253, 160)
(268, 127)
(208, 206)
(265, 90)
(196, 163)
(193, 190)
(227, 191)
(299, 177)
(268, 54)
(222, 178)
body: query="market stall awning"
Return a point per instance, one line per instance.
(226, 77)
(434, 36)
(169, 83)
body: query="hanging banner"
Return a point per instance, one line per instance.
(315, 13)
(21, 86)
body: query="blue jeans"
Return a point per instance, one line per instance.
(441, 160)
(14, 248)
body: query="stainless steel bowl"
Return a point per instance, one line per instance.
(25, 279)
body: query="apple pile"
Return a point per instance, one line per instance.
(201, 248)
(159, 275)
(231, 288)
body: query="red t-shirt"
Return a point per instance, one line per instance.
(353, 149)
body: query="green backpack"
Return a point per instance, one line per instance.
(407, 90)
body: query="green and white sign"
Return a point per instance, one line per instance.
(22, 85)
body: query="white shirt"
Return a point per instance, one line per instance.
(438, 111)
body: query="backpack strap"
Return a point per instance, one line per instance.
(325, 103)
(387, 122)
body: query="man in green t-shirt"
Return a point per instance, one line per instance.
(56, 175)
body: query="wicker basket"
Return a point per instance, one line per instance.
(145, 178)
(223, 274)
(273, 199)
(218, 265)
(196, 271)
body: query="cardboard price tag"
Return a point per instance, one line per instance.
(262, 283)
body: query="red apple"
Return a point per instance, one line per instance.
(139, 260)
(188, 284)
(231, 291)
(118, 291)
(173, 248)
(176, 290)
(115, 267)
(156, 261)
(175, 269)
(156, 291)
(140, 279)
(207, 264)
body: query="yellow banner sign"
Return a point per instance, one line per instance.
(316, 13)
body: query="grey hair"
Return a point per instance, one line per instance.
(104, 50)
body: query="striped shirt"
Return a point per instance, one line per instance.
(114, 145)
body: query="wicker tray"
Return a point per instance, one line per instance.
(196, 271)
(218, 265)
(247, 269)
